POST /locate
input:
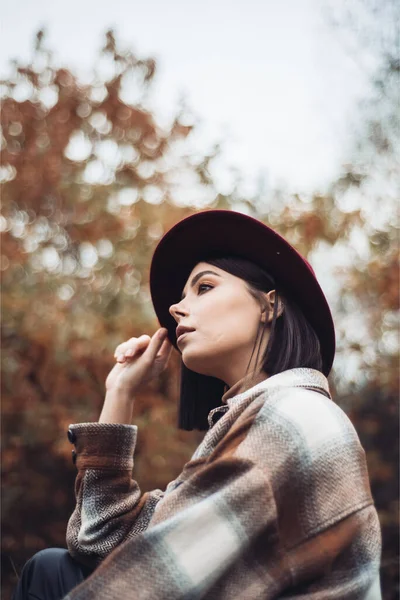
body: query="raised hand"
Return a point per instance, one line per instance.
(138, 361)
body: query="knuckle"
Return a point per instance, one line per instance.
(131, 344)
(121, 348)
(144, 338)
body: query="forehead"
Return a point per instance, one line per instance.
(204, 266)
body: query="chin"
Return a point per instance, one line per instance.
(199, 363)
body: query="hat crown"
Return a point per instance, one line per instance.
(229, 233)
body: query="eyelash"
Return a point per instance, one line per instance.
(202, 285)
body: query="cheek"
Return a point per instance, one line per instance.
(227, 322)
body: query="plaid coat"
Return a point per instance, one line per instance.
(274, 503)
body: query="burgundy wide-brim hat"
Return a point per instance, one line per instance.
(216, 233)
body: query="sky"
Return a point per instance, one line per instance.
(273, 81)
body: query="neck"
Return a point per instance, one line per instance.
(244, 384)
(233, 372)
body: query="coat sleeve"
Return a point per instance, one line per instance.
(280, 507)
(214, 517)
(110, 507)
(341, 562)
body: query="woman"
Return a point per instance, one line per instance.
(275, 502)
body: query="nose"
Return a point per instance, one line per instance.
(178, 311)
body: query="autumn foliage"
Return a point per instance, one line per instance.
(90, 182)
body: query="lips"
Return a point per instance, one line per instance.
(180, 330)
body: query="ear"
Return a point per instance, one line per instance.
(268, 309)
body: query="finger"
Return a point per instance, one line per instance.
(164, 352)
(155, 344)
(131, 340)
(166, 348)
(141, 344)
(131, 344)
(120, 349)
(119, 353)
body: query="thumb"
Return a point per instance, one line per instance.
(155, 344)
(165, 352)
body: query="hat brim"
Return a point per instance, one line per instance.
(227, 233)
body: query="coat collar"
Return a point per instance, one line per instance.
(240, 387)
(235, 403)
(299, 377)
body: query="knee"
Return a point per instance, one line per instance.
(41, 574)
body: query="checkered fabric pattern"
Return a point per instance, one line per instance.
(274, 503)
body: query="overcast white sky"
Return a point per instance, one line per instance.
(271, 77)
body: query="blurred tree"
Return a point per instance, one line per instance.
(357, 221)
(370, 284)
(90, 183)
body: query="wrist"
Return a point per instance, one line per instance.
(120, 395)
(117, 407)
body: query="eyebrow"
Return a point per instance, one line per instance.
(198, 276)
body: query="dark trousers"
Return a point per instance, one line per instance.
(49, 575)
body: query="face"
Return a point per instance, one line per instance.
(222, 317)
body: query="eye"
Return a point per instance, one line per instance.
(203, 287)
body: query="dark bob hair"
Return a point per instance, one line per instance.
(292, 343)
